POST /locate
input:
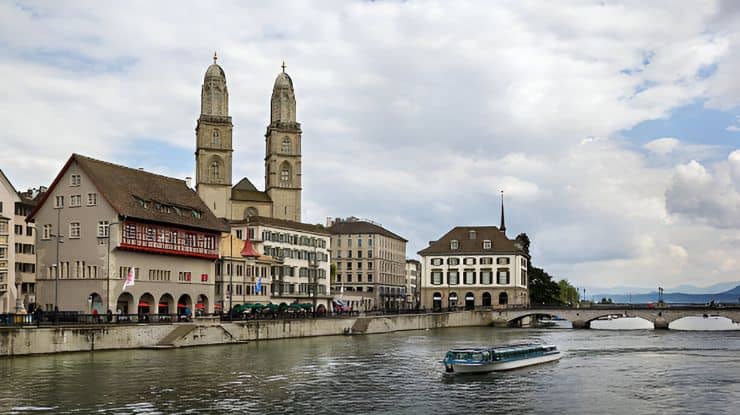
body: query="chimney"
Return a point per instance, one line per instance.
(329, 221)
(189, 181)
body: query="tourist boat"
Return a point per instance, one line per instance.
(496, 358)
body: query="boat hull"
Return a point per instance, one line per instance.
(502, 366)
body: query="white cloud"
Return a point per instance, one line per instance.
(414, 114)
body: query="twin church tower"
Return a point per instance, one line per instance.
(281, 198)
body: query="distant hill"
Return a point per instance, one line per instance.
(683, 288)
(729, 296)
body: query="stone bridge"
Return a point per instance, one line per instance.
(582, 317)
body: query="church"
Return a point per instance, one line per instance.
(268, 254)
(281, 198)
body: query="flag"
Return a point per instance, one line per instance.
(258, 288)
(130, 278)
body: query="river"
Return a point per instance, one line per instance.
(633, 372)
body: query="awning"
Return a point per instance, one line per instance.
(164, 305)
(143, 304)
(200, 305)
(182, 305)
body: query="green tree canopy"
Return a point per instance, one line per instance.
(568, 293)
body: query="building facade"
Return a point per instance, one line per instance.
(99, 223)
(370, 262)
(17, 247)
(281, 198)
(297, 255)
(474, 266)
(413, 275)
(242, 275)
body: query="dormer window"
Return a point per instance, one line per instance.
(472, 234)
(487, 244)
(454, 245)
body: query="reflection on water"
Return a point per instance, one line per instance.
(637, 372)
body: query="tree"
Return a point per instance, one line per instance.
(568, 293)
(542, 289)
(523, 240)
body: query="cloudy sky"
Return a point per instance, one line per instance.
(613, 128)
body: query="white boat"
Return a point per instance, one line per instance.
(497, 358)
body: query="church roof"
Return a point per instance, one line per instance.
(138, 194)
(215, 71)
(247, 192)
(469, 245)
(283, 81)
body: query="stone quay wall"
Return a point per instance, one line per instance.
(16, 341)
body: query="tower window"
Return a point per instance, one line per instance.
(284, 175)
(215, 170)
(216, 141)
(286, 145)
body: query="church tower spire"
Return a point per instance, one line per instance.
(213, 132)
(283, 151)
(502, 228)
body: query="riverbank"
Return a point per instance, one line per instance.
(31, 340)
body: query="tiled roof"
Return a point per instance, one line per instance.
(354, 227)
(142, 195)
(282, 223)
(247, 192)
(500, 244)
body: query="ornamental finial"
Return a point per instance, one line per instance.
(215, 57)
(283, 66)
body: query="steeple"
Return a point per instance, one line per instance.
(283, 151)
(502, 228)
(214, 142)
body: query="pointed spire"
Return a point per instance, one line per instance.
(502, 228)
(215, 57)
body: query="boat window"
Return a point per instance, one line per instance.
(476, 357)
(486, 356)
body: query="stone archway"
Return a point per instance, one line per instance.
(452, 300)
(503, 298)
(166, 304)
(146, 304)
(437, 301)
(486, 299)
(469, 301)
(96, 304)
(201, 307)
(184, 303)
(125, 304)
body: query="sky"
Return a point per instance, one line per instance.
(613, 128)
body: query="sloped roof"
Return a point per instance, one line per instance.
(282, 223)
(500, 244)
(125, 189)
(361, 227)
(247, 192)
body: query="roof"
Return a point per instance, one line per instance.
(142, 195)
(354, 227)
(12, 188)
(283, 81)
(282, 223)
(215, 70)
(247, 192)
(500, 244)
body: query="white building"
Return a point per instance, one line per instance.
(474, 266)
(299, 255)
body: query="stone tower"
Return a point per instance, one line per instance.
(213, 142)
(283, 152)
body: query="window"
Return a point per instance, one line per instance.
(18, 229)
(437, 261)
(486, 276)
(286, 145)
(453, 261)
(74, 229)
(502, 261)
(75, 200)
(486, 261)
(103, 229)
(59, 202)
(239, 234)
(29, 231)
(46, 232)
(472, 234)
(503, 277)
(370, 278)
(75, 180)
(469, 277)
(469, 261)
(453, 277)
(92, 199)
(215, 170)
(216, 139)
(437, 277)
(454, 244)
(487, 244)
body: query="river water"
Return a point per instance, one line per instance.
(631, 372)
